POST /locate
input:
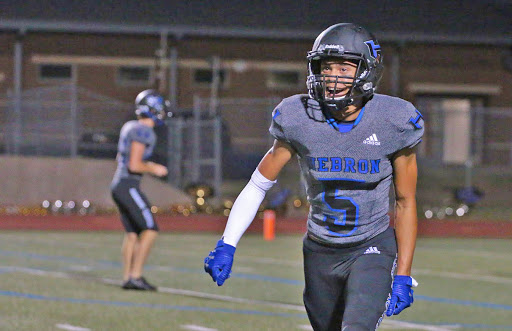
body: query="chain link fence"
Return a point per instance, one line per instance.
(223, 140)
(465, 160)
(60, 121)
(480, 136)
(218, 141)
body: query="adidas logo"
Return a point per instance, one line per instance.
(372, 250)
(372, 140)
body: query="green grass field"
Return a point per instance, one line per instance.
(68, 281)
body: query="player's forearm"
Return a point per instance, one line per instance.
(242, 214)
(406, 228)
(245, 207)
(142, 167)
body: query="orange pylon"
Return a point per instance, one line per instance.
(269, 224)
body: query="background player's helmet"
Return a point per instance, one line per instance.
(150, 103)
(347, 41)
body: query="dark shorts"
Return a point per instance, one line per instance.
(347, 288)
(133, 205)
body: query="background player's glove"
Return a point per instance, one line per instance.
(218, 263)
(401, 294)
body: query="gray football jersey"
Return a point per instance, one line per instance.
(133, 131)
(347, 173)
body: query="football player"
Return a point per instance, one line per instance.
(351, 144)
(136, 142)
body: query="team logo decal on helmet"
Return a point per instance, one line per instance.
(374, 49)
(152, 104)
(349, 42)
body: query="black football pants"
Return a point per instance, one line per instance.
(347, 288)
(133, 205)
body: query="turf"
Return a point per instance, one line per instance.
(55, 280)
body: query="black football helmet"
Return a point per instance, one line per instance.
(150, 103)
(354, 43)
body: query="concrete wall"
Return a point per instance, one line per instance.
(27, 181)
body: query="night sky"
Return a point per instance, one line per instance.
(484, 18)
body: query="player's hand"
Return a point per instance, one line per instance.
(159, 170)
(219, 262)
(401, 294)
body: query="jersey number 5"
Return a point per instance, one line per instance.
(343, 221)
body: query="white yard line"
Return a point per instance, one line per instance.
(80, 268)
(245, 270)
(453, 275)
(386, 324)
(38, 272)
(393, 325)
(204, 295)
(170, 290)
(443, 274)
(272, 261)
(456, 275)
(467, 252)
(71, 327)
(196, 327)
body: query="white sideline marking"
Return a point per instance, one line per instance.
(393, 325)
(467, 252)
(71, 327)
(195, 294)
(229, 299)
(456, 275)
(269, 260)
(389, 324)
(38, 272)
(196, 327)
(244, 269)
(80, 268)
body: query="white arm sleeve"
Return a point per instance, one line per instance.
(245, 207)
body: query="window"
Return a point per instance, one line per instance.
(205, 76)
(284, 79)
(134, 75)
(453, 135)
(55, 71)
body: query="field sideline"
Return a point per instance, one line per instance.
(216, 223)
(54, 280)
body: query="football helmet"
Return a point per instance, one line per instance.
(354, 43)
(151, 104)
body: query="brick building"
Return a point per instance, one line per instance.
(452, 59)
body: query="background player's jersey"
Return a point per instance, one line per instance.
(347, 174)
(133, 131)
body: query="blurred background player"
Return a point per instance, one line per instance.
(136, 142)
(351, 145)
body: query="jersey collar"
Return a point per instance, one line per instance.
(343, 126)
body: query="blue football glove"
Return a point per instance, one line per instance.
(219, 262)
(401, 294)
